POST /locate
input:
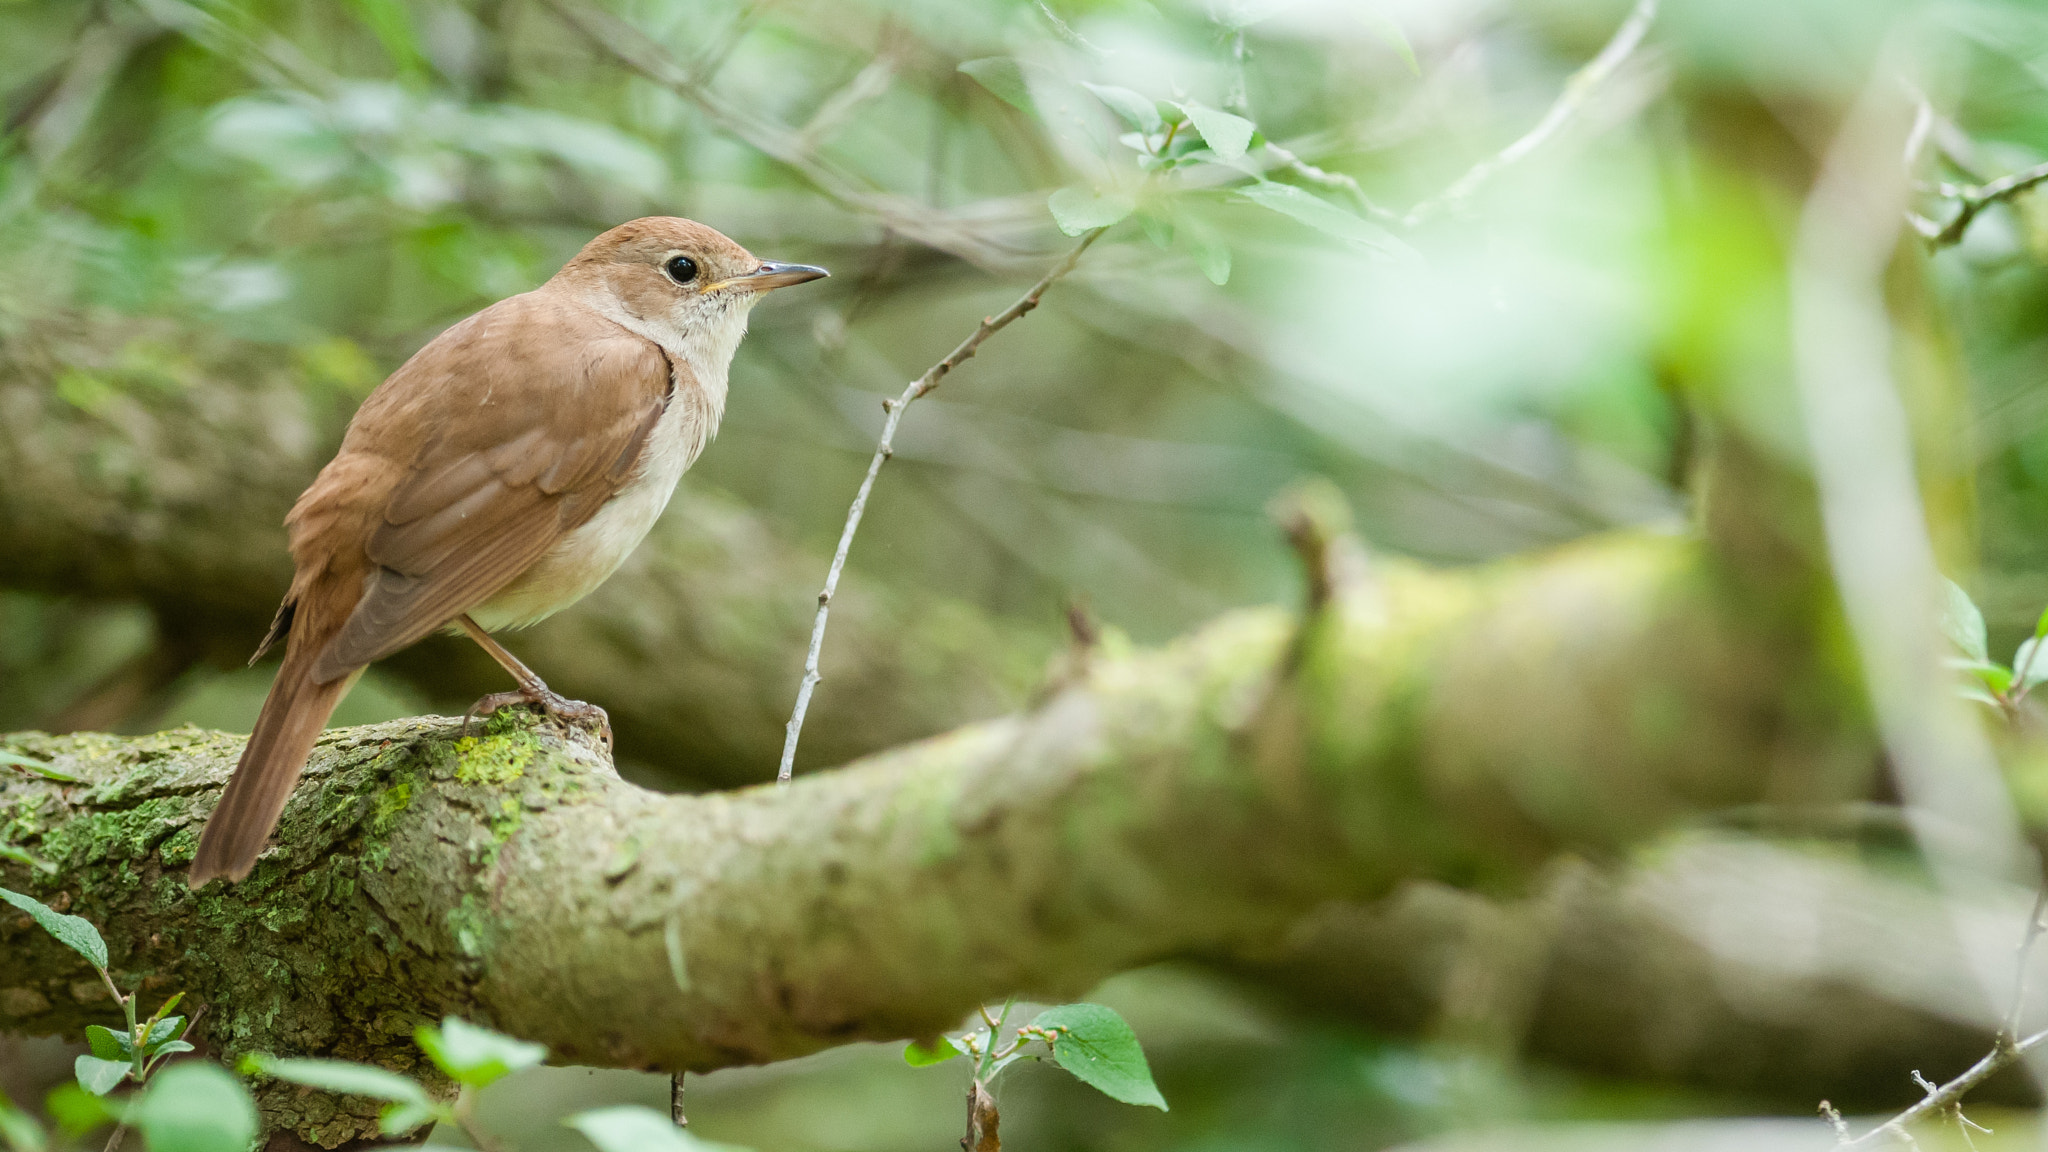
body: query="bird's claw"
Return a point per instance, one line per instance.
(551, 703)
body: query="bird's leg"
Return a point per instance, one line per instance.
(531, 690)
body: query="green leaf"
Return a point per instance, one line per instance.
(195, 1107)
(18, 1130)
(1004, 76)
(476, 1056)
(342, 1077)
(2030, 667)
(99, 1076)
(74, 932)
(1321, 215)
(162, 1032)
(2041, 625)
(1158, 229)
(1077, 210)
(1964, 624)
(1397, 40)
(1226, 134)
(1994, 677)
(631, 1128)
(1212, 258)
(172, 1048)
(26, 858)
(1136, 110)
(399, 1119)
(17, 760)
(108, 1044)
(938, 1052)
(77, 1111)
(1096, 1045)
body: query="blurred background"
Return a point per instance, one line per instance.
(222, 223)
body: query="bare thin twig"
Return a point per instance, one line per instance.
(2011, 1030)
(1972, 200)
(636, 50)
(885, 449)
(1329, 179)
(1577, 91)
(2003, 1056)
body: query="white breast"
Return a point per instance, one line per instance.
(584, 558)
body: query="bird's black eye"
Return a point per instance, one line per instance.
(681, 269)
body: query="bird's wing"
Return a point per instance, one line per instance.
(528, 417)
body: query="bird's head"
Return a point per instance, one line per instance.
(677, 274)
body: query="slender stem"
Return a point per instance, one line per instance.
(2011, 1030)
(465, 1119)
(883, 451)
(995, 1036)
(675, 1101)
(1973, 201)
(2005, 1054)
(1576, 92)
(114, 1141)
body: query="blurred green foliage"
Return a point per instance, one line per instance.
(337, 181)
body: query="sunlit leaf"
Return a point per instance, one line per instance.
(1095, 1044)
(1077, 210)
(399, 1119)
(195, 1107)
(77, 1111)
(18, 1130)
(99, 1076)
(1323, 216)
(1136, 110)
(342, 1077)
(937, 1052)
(74, 932)
(2029, 664)
(1003, 76)
(24, 857)
(1211, 257)
(1226, 134)
(476, 1056)
(47, 772)
(1964, 624)
(1384, 27)
(631, 1128)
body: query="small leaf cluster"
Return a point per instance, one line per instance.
(1090, 1041)
(475, 1058)
(1176, 149)
(190, 1107)
(198, 1106)
(2001, 686)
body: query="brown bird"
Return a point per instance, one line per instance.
(496, 478)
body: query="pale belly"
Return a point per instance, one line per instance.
(583, 559)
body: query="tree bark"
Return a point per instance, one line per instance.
(145, 460)
(1196, 800)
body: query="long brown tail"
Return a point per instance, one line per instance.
(293, 715)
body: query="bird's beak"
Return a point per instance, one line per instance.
(773, 275)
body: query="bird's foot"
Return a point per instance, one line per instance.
(550, 703)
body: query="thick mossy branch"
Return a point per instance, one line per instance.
(1193, 800)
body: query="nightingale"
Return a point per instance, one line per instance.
(501, 474)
